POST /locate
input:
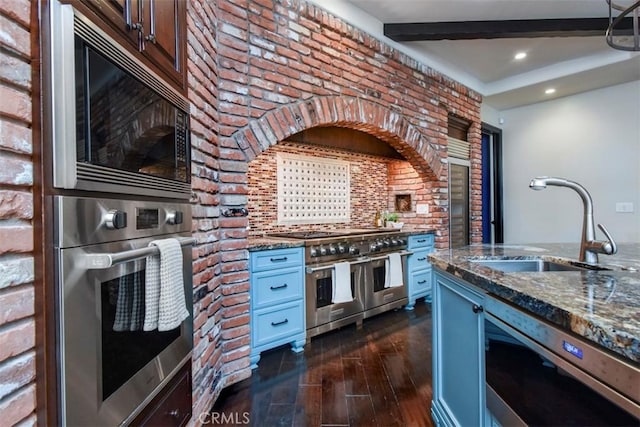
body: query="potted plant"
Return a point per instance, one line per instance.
(392, 220)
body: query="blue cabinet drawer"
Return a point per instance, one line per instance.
(418, 260)
(276, 286)
(420, 241)
(420, 281)
(276, 323)
(276, 259)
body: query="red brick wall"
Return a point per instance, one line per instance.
(17, 322)
(208, 313)
(280, 68)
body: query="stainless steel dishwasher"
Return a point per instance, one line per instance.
(614, 378)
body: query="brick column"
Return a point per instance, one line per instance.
(17, 322)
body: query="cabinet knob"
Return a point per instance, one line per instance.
(151, 38)
(174, 413)
(137, 26)
(477, 308)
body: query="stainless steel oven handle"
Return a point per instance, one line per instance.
(403, 253)
(102, 261)
(310, 270)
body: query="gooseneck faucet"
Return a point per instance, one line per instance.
(589, 246)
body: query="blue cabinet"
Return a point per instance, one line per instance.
(277, 300)
(418, 269)
(458, 353)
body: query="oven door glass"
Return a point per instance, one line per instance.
(122, 124)
(324, 287)
(126, 348)
(111, 366)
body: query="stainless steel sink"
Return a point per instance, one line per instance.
(527, 265)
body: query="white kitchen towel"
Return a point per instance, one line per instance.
(341, 283)
(165, 304)
(394, 271)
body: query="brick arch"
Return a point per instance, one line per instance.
(349, 112)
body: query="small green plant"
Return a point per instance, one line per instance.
(393, 217)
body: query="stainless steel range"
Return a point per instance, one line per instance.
(350, 275)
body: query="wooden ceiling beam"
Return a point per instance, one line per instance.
(519, 28)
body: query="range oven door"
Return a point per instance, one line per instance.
(379, 298)
(111, 368)
(323, 314)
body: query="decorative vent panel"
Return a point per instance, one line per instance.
(459, 149)
(312, 190)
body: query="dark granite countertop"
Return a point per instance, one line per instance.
(602, 306)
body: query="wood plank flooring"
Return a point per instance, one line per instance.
(376, 375)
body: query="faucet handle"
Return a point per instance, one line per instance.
(610, 247)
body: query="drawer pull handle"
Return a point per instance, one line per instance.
(421, 259)
(421, 240)
(275, 288)
(284, 258)
(420, 282)
(283, 322)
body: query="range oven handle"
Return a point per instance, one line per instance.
(310, 270)
(379, 258)
(102, 261)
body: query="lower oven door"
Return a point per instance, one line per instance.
(382, 293)
(111, 367)
(323, 313)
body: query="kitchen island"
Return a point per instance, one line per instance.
(597, 308)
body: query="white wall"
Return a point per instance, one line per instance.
(490, 115)
(591, 138)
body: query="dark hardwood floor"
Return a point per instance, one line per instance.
(380, 375)
(376, 375)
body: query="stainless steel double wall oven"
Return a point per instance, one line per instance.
(120, 179)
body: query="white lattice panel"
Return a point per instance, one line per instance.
(312, 190)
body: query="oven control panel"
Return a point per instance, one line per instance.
(109, 220)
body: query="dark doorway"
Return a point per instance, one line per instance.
(492, 219)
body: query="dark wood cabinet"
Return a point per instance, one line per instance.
(172, 407)
(156, 29)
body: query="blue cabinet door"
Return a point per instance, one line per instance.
(418, 269)
(458, 353)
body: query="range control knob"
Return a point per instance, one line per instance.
(323, 250)
(175, 217)
(333, 250)
(115, 219)
(342, 248)
(314, 252)
(374, 246)
(386, 243)
(353, 250)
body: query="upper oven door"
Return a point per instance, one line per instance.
(117, 126)
(111, 366)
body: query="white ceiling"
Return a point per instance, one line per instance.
(569, 64)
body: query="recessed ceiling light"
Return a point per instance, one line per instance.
(550, 91)
(520, 55)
